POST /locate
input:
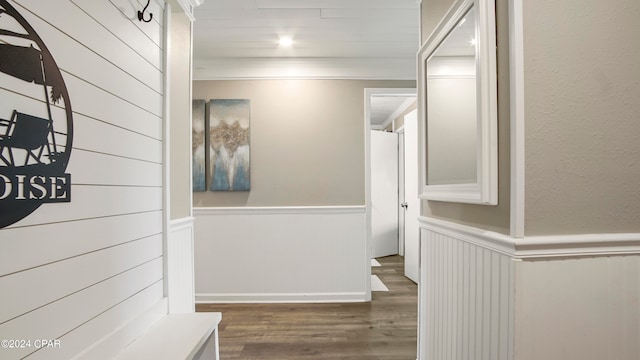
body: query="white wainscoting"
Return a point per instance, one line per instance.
(180, 283)
(280, 254)
(585, 308)
(485, 295)
(466, 292)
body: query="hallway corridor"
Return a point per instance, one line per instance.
(384, 329)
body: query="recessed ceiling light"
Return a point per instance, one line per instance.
(285, 41)
(473, 42)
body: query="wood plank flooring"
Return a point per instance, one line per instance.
(385, 329)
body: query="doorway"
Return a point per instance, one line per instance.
(373, 121)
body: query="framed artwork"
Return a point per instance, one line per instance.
(198, 146)
(229, 148)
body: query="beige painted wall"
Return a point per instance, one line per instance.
(495, 218)
(180, 116)
(582, 85)
(578, 309)
(307, 141)
(431, 13)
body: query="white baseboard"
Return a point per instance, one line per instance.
(279, 298)
(280, 210)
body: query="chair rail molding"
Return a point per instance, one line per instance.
(529, 247)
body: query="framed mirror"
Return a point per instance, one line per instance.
(457, 107)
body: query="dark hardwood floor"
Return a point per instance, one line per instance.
(385, 329)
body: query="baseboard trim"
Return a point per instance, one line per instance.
(280, 298)
(538, 246)
(262, 210)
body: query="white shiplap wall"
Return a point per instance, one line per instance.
(78, 271)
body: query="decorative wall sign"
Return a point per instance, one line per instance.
(35, 135)
(229, 160)
(198, 146)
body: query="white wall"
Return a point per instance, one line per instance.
(76, 272)
(280, 254)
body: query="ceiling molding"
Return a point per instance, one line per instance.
(402, 108)
(188, 6)
(305, 68)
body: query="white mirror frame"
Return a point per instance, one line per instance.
(485, 190)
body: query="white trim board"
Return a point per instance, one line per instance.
(262, 210)
(516, 75)
(279, 298)
(538, 246)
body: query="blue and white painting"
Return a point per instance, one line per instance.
(229, 159)
(198, 145)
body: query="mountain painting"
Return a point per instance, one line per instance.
(198, 145)
(229, 161)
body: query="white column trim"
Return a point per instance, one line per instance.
(547, 246)
(516, 70)
(166, 148)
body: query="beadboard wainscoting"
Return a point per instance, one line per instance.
(485, 295)
(466, 294)
(180, 283)
(280, 254)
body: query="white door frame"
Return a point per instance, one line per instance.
(368, 93)
(401, 197)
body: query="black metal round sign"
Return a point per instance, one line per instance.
(36, 123)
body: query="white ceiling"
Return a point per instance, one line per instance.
(337, 39)
(385, 108)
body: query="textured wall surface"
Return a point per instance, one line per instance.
(582, 85)
(431, 13)
(495, 218)
(307, 141)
